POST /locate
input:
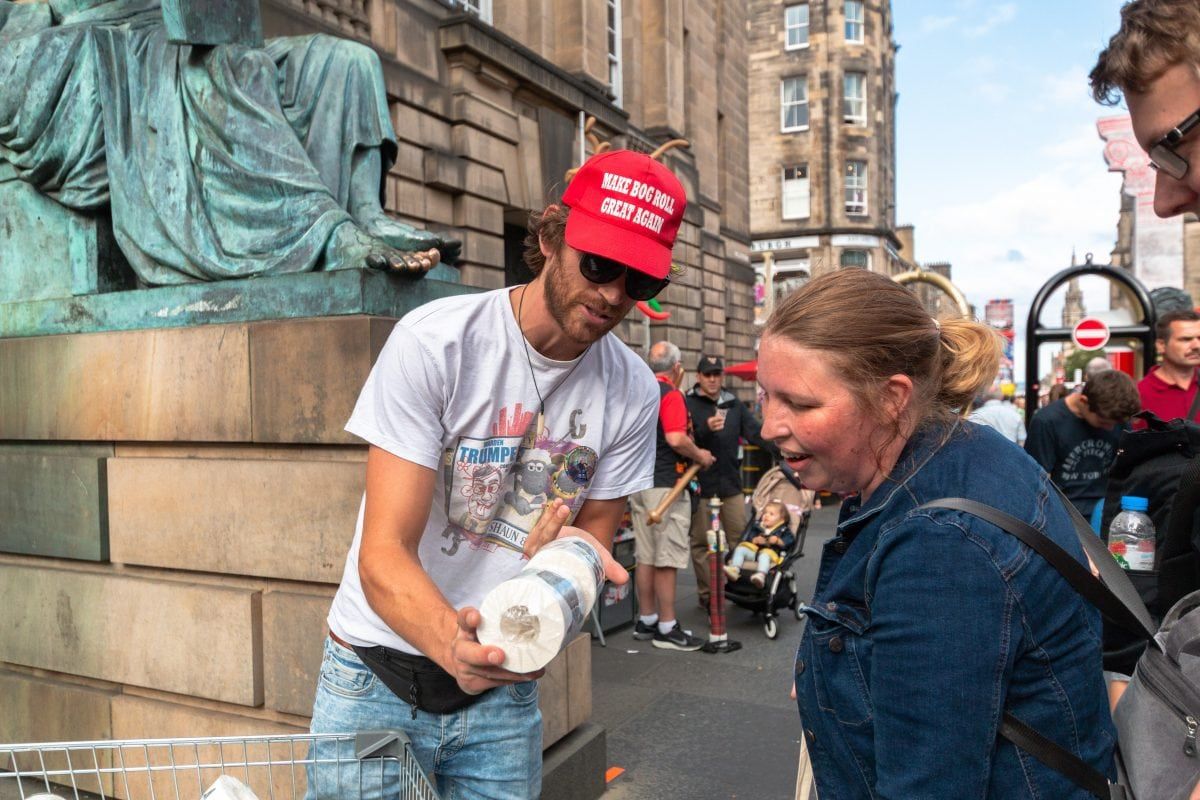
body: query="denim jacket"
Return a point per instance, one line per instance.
(926, 626)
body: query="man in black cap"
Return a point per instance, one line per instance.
(720, 419)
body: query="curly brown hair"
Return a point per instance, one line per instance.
(1154, 36)
(549, 225)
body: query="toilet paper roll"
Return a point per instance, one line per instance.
(532, 616)
(227, 787)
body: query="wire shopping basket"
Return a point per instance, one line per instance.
(372, 764)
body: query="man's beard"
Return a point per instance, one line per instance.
(559, 301)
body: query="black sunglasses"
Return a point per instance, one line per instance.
(1162, 153)
(638, 285)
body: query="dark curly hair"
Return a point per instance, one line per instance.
(549, 225)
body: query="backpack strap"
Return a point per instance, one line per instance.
(1191, 414)
(1112, 593)
(1056, 758)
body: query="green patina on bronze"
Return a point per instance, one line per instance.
(214, 161)
(315, 294)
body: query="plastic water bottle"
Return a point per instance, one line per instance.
(1131, 537)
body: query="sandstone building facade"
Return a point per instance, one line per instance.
(822, 136)
(177, 502)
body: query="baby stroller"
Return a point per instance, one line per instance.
(779, 589)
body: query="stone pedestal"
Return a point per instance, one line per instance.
(177, 496)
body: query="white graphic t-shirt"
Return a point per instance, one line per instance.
(452, 391)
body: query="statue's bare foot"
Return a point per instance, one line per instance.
(351, 248)
(407, 238)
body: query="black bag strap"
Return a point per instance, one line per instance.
(1112, 593)
(1191, 414)
(1058, 759)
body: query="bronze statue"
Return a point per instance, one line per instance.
(216, 161)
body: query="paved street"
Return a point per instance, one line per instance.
(704, 726)
(694, 725)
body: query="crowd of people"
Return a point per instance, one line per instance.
(499, 421)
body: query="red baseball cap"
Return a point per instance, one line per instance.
(627, 207)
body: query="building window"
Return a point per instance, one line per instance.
(796, 203)
(860, 259)
(793, 98)
(480, 8)
(614, 50)
(854, 98)
(856, 187)
(854, 21)
(795, 23)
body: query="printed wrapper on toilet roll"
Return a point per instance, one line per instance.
(227, 787)
(532, 616)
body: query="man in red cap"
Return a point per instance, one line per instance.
(494, 419)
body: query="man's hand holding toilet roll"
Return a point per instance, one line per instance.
(477, 666)
(552, 525)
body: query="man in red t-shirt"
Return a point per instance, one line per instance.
(1170, 389)
(662, 549)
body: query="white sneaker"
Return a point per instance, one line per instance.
(732, 572)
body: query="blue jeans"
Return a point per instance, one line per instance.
(492, 749)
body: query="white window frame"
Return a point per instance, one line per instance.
(850, 104)
(859, 20)
(613, 30)
(855, 188)
(480, 8)
(788, 27)
(784, 104)
(804, 199)
(842, 258)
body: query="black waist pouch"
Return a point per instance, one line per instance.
(416, 680)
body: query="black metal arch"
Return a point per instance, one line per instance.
(1036, 335)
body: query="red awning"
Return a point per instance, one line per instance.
(747, 370)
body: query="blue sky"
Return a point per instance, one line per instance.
(999, 165)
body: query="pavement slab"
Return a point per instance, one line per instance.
(698, 725)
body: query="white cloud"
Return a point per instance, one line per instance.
(1072, 205)
(982, 65)
(994, 93)
(1064, 91)
(933, 24)
(999, 15)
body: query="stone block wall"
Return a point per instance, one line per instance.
(175, 510)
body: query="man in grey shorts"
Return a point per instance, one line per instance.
(662, 549)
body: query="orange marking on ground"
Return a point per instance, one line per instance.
(613, 773)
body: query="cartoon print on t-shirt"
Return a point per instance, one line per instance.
(573, 472)
(496, 487)
(531, 486)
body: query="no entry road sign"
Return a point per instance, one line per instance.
(1090, 334)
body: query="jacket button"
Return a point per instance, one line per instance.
(800, 666)
(831, 606)
(836, 645)
(839, 546)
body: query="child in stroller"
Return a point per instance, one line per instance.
(764, 543)
(778, 587)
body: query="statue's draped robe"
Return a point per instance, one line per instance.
(217, 162)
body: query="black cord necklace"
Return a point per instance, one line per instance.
(541, 417)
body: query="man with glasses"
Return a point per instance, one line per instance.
(493, 420)
(1154, 61)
